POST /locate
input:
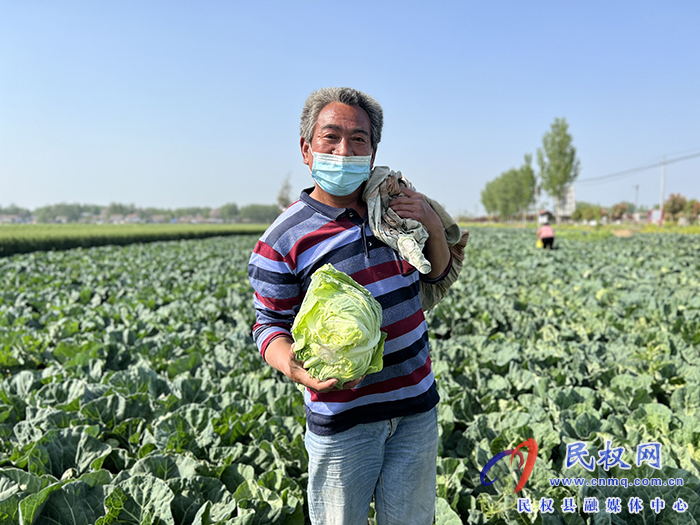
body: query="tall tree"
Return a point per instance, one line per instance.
(512, 192)
(489, 197)
(229, 212)
(692, 209)
(558, 163)
(675, 205)
(526, 184)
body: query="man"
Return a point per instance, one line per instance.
(376, 436)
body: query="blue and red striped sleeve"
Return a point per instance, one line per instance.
(277, 295)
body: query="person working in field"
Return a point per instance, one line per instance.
(376, 436)
(546, 234)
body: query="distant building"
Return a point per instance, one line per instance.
(544, 216)
(654, 216)
(10, 219)
(132, 218)
(566, 206)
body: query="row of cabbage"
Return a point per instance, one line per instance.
(27, 238)
(131, 390)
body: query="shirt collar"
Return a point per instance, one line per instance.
(324, 209)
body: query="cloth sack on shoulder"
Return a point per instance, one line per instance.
(408, 236)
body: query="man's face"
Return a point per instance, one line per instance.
(340, 130)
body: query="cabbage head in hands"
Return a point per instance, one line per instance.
(336, 332)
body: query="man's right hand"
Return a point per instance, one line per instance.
(280, 355)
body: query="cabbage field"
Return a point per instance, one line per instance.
(131, 391)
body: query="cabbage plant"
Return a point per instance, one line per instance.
(336, 331)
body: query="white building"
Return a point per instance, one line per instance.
(566, 206)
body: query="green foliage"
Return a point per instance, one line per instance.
(512, 192)
(557, 160)
(593, 341)
(116, 208)
(131, 390)
(65, 212)
(13, 209)
(98, 421)
(229, 212)
(692, 209)
(629, 207)
(260, 213)
(87, 213)
(587, 212)
(674, 205)
(620, 209)
(192, 211)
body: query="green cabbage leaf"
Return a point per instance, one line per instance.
(336, 332)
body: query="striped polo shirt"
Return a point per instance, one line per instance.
(308, 235)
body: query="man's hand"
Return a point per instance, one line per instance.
(436, 250)
(280, 355)
(414, 206)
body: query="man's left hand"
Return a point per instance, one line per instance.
(414, 206)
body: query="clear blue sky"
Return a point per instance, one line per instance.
(175, 103)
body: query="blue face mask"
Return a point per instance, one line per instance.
(338, 175)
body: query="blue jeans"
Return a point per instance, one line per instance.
(394, 460)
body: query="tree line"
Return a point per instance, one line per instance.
(515, 191)
(677, 206)
(89, 213)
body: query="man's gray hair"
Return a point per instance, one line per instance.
(321, 98)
